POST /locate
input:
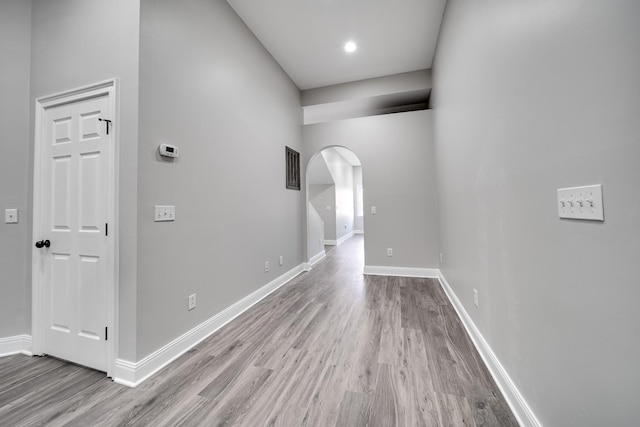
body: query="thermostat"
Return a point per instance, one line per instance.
(168, 150)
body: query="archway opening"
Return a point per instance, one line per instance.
(335, 209)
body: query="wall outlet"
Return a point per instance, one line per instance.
(164, 213)
(475, 298)
(10, 216)
(281, 260)
(266, 266)
(389, 251)
(192, 301)
(441, 258)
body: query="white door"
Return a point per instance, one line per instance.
(72, 253)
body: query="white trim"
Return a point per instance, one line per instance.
(358, 231)
(374, 270)
(517, 403)
(315, 259)
(133, 374)
(111, 89)
(345, 238)
(19, 344)
(327, 242)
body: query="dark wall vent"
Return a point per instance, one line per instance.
(293, 169)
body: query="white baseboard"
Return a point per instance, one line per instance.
(19, 344)
(374, 270)
(327, 242)
(344, 238)
(314, 260)
(358, 231)
(512, 395)
(134, 373)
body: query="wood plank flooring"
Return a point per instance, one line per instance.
(331, 348)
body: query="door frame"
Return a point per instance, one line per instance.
(109, 88)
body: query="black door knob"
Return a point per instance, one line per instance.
(42, 243)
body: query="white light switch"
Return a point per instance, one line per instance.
(11, 216)
(165, 213)
(581, 203)
(373, 210)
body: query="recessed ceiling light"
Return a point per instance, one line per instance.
(350, 47)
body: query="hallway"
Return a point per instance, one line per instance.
(331, 347)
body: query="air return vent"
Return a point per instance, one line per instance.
(293, 169)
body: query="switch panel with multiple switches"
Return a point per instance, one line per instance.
(581, 203)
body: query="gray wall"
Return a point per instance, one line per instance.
(315, 233)
(322, 196)
(381, 95)
(15, 51)
(342, 173)
(396, 151)
(530, 97)
(76, 43)
(358, 222)
(208, 86)
(369, 88)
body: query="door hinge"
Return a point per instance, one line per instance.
(106, 333)
(108, 122)
(106, 229)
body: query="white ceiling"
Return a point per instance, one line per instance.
(307, 37)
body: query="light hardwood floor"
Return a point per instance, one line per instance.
(331, 348)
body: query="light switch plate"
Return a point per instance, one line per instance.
(11, 216)
(164, 213)
(581, 203)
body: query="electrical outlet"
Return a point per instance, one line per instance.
(441, 258)
(192, 301)
(266, 266)
(475, 298)
(281, 260)
(389, 251)
(164, 213)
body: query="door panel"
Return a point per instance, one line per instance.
(60, 192)
(60, 291)
(75, 163)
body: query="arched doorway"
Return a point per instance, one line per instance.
(334, 201)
